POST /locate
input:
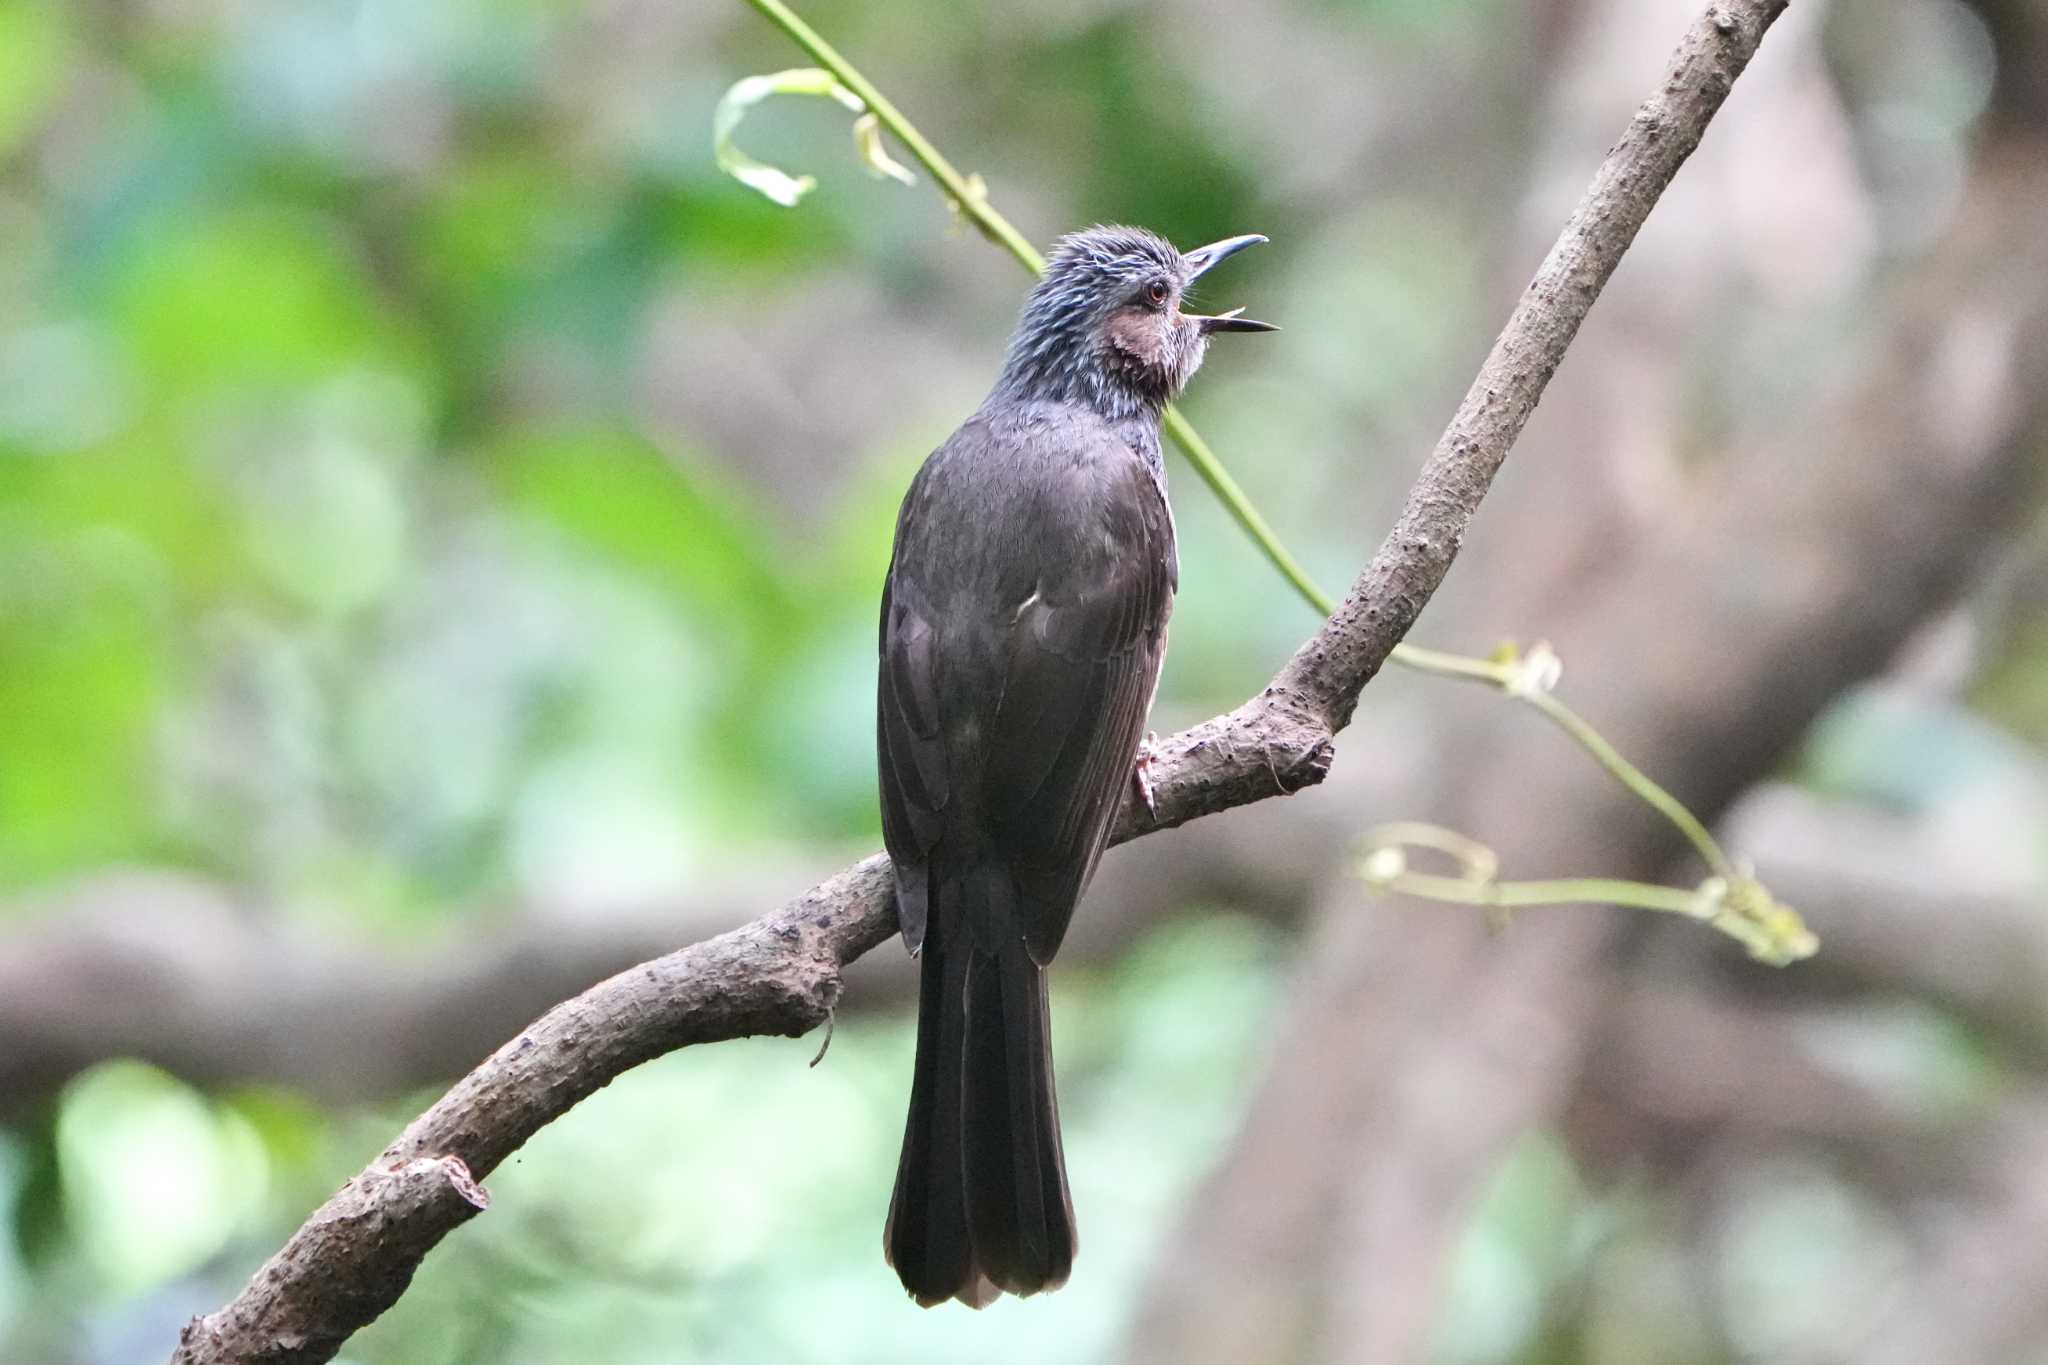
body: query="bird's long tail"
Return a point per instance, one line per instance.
(927, 1237)
(1018, 1208)
(981, 1202)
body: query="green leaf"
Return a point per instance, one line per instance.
(156, 1179)
(673, 523)
(35, 57)
(85, 660)
(254, 294)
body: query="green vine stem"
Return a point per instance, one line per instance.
(1529, 678)
(1526, 678)
(1736, 905)
(970, 198)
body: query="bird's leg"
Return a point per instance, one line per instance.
(1140, 778)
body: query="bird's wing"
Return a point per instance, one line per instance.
(1081, 661)
(916, 783)
(1023, 626)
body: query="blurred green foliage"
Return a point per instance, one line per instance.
(317, 320)
(347, 554)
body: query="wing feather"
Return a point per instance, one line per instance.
(1023, 627)
(1083, 663)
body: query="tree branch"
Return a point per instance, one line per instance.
(780, 975)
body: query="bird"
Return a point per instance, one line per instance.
(1023, 626)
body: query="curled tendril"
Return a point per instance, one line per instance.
(778, 185)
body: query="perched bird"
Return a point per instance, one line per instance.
(1023, 625)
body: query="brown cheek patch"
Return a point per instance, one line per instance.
(1134, 332)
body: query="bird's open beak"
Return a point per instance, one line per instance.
(1206, 258)
(1231, 322)
(1201, 261)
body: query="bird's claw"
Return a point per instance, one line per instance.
(1140, 778)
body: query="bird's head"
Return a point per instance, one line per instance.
(1105, 326)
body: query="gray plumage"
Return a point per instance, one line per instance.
(1023, 627)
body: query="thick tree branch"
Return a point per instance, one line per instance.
(780, 975)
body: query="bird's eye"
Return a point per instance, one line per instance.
(1156, 292)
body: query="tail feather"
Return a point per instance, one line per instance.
(927, 1237)
(981, 1203)
(1019, 1211)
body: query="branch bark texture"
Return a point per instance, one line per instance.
(781, 974)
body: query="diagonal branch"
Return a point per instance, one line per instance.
(780, 975)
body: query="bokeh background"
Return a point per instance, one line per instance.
(440, 525)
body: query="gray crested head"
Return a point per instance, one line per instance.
(1104, 325)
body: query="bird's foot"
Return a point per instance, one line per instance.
(1143, 779)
